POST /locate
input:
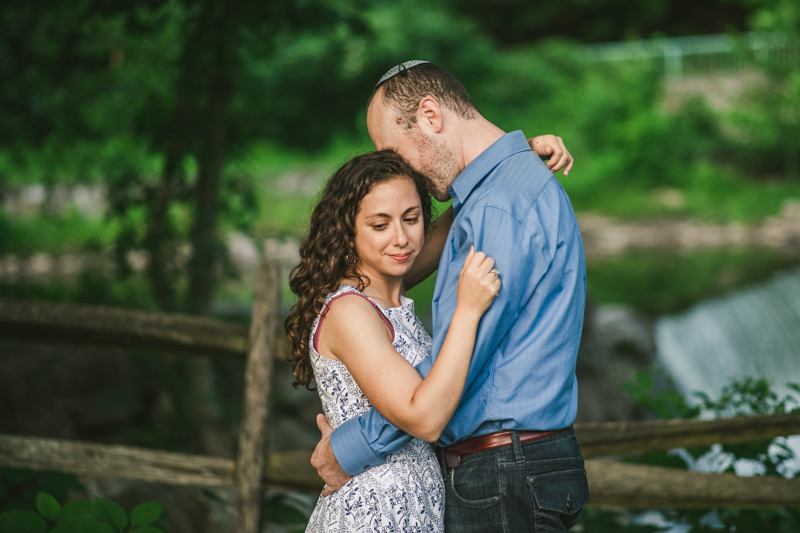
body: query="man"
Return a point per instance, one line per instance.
(510, 459)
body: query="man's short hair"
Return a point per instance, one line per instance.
(405, 91)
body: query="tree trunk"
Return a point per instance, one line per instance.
(204, 267)
(161, 282)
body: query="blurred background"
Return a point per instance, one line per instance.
(152, 151)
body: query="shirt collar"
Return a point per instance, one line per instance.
(509, 144)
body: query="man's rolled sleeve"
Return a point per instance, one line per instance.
(352, 449)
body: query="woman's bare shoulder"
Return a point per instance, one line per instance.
(351, 319)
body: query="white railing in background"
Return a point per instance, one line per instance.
(703, 54)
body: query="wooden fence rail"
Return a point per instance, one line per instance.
(290, 469)
(109, 326)
(655, 487)
(632, 438)
(611, 484)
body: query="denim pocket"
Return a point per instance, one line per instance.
(471, 490)
(558, 498)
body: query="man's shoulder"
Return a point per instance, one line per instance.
(522, 193)
(516, 186)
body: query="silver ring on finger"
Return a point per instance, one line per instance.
(495, 272)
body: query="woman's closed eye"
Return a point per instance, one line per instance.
(412, 220)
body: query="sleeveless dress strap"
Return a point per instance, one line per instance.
(336, 297)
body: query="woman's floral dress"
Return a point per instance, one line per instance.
(406, 493)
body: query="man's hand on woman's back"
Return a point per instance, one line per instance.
(325, 461)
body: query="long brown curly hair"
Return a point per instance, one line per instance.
(327, 255)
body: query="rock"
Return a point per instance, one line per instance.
(616, 341)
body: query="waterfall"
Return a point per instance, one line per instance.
(754, 332)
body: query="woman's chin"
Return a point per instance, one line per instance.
(399, 269)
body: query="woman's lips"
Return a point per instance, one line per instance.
(401, 258)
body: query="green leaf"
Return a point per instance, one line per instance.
(3, 490)
(148, 529)
(47, 506)
(76, 512)
(146, 513)
(21, 521)
(93, 526)
(114, 513)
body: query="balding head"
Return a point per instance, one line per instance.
(419, 114)
(405, 90)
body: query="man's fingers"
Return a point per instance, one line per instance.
(327, 491)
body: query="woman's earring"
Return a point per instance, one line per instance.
(350, 258)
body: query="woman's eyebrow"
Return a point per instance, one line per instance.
(384, 215)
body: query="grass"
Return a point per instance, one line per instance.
(660, 282)
(68, 232)
(713, 199)
(90, 288)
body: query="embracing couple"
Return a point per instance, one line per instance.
(495, 386)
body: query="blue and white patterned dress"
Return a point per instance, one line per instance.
(406, 493)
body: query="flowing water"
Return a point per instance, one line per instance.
(754, 332)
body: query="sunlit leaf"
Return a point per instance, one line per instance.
(47, 506)
(114, 513)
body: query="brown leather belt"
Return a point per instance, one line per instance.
(454, 453)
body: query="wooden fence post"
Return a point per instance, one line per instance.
(250, 462)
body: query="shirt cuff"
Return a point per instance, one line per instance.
(352, 449)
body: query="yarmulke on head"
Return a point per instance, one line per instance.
(405, 85)
(402, 67)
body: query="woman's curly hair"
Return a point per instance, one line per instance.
(327, 255)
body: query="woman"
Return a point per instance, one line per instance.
(355, 334)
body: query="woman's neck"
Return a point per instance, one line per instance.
(384, 290)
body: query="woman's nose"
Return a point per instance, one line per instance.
(400, 237)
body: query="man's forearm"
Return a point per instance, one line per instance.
(356, 452)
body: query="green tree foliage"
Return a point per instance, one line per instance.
(162, 101)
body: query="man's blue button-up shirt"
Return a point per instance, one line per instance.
(522, 375)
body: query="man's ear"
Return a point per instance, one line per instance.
(429, 115)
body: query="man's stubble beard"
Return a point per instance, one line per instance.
(437, 163)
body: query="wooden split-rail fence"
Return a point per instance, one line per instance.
(612, 483)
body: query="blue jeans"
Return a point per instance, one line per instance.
(537, 486)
